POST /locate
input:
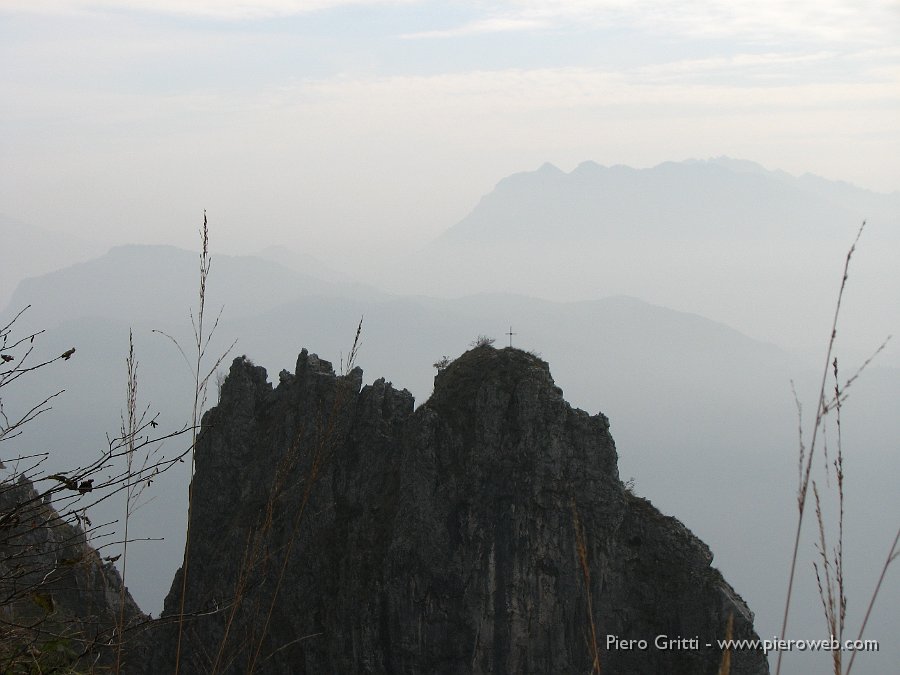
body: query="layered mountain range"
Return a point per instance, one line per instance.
(703, 413)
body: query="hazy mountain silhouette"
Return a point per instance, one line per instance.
(703, 415)
(723, 238)
(28, 251)
(721, 199)
(147, 283)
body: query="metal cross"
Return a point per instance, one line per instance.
(510, 333)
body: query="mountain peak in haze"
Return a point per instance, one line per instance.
(736, 165)
(714, 198)
(549, 169)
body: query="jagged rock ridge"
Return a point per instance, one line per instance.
(337, 530)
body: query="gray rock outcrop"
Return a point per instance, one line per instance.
(335, 529)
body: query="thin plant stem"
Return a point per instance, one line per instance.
(581, 552)
(128, 434)
(725, 665)
(892, 556)
(201, 343)
(805, 470)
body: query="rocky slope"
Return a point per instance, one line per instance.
(59, 601)
(337, 530)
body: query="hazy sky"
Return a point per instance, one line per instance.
(323, 122)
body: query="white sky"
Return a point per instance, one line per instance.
(345, 126)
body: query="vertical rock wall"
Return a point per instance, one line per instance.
(336, 530)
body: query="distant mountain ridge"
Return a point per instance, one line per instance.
(719, 198)
(723, 238)
(145, 280)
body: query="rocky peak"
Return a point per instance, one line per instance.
(486, 366)
(335, 529)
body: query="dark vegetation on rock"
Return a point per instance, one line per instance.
(335, 529)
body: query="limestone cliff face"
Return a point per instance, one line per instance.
(337, 530)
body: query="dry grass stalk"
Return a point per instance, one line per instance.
(830, 577)
(202, 375)
(829, 569)
(581, 552)
(129, 429)
(725, 665)
(806, 458)
(891, 557)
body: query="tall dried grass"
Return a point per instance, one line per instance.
(829, 567)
